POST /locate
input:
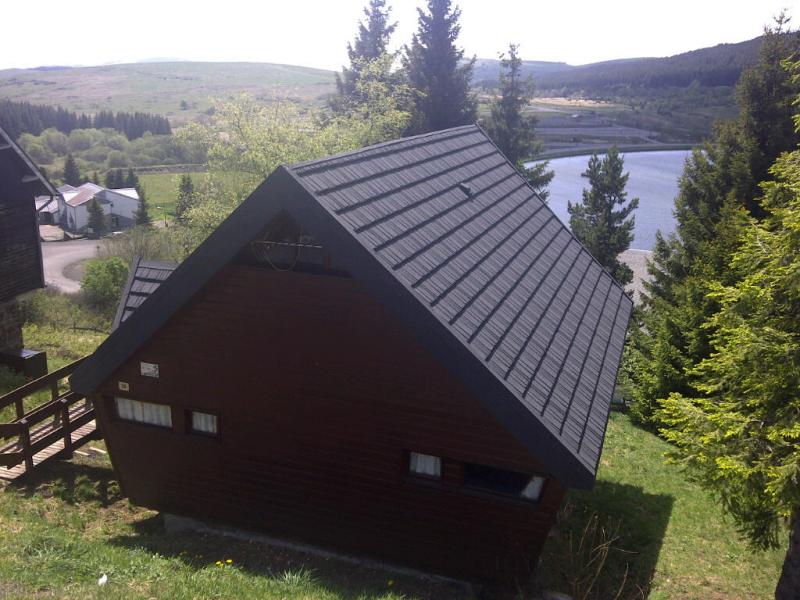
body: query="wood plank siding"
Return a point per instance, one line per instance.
(20, 257)
(320, 395)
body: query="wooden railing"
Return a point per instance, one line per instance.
(50, 424)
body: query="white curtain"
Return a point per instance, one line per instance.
(533, 490)
(144, 412)
(204, 422)
(425, 464)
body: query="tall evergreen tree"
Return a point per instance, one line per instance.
(142, 214)
(512, 131)
(97, 219)
(434, 68)
(739, 435)
(72, 174)
(603, 221)
(371, 43)
(715, 188)
(131, 179)
(96, 178)
(186, 197)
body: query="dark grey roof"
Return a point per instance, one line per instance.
(444, 230)
(144, 278)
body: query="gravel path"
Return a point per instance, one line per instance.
(58, 256)
(637, 260)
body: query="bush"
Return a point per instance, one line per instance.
(103, 281)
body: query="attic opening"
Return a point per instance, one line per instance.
(285, 245)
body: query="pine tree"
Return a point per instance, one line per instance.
(186, 197)
(370, 43)
(434, 68)
(512, 131)
(97, 219)
(717, 185)
(72, 174)
(142, 214)
(603, 220)
(131, 179)
(739, 435)
(96, 178)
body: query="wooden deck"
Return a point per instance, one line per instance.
(55, 451)
(50, 431)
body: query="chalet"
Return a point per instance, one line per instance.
(119, 205)
(20, 251)
(397, 352)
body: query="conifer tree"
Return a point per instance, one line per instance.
(96, 178)
(142, 214)
(715, 190)
(512, 131)
(72, 174)
(434, 69)
(186, 197)
(131, 179)
(603, 220)
(97, 219)
(739, 435)
(371, 43)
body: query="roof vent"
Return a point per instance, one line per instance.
(465, 188)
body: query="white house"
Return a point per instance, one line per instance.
(119, 205)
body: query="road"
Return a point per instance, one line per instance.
(57, 256)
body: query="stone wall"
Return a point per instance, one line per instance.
(10, 326)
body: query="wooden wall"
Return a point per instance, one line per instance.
(321, 394)
(20, 255)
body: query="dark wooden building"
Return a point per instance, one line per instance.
(20, 250)
(397, 352)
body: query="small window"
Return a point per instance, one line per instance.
(424, 464)
(204, 423)
(144, 412)
(502, 481)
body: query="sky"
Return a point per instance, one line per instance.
(315, 33)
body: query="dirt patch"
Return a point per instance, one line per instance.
(76, 270)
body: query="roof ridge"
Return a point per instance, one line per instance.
(321, 162)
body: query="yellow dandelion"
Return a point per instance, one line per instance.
(229, 561)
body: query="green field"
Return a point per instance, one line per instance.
(70, 524)
(161, 87)
(161, 189)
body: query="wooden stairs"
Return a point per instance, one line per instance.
(52, 430)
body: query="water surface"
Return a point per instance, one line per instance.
(653, 179)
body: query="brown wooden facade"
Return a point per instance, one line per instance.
(320, 396)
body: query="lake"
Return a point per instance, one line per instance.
(653, 179)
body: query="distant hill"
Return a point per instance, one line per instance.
(179, 90)
(718, 65)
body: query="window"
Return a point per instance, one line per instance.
(204, 423)
(144, 412)
(424, 464)
(502, 481)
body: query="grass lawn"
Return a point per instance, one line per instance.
(162, 190)
(69, 525)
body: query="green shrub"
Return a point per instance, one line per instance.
(103, 281)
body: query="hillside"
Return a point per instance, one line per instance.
(161, 87)
(718, 65)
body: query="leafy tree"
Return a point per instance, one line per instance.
(371, 43)
(436, 71)
(603, 220)
(511, 130)
(97, 218)
(102, 283)
(740, 436)
(186, 197)
(72, 174)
